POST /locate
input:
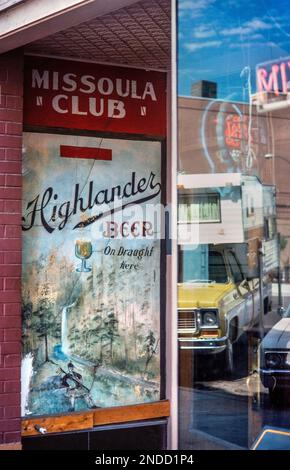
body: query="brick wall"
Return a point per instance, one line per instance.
(11, 83)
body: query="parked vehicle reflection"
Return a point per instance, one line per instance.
(275, 358)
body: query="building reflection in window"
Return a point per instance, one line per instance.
(233, 221)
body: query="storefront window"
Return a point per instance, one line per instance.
(233, 222)
(92, 296)
(199, 208)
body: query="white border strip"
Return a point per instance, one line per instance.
(171, 326)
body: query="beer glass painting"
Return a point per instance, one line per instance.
(83, 251)
(91, 286)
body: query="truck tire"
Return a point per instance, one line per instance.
(226, 360)
(229, 359)
(267, 305)
(229, 353)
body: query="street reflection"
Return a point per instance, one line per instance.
(233, 222)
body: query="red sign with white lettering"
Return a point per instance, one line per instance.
(80, 95)
(274, 76)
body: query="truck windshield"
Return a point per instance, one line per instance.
(217, 268)
(199, 264)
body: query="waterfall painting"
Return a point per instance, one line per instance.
(91, 272)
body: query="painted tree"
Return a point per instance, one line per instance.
(111, 331)
(41, 323)
(150, 347)
(97, 335)
(74, 338)
(27, 310)
(45, 320)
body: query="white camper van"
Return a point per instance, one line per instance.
(225, 223)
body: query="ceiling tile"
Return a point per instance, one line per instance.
(138, 35)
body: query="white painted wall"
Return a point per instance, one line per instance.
(34, 19)
(4, 4)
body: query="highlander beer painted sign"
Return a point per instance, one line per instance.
(91, 269)
(79, 95)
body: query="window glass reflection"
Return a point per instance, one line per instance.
(233, 222)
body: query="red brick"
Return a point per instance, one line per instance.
(12, 334)
(10, 193)
(13, 154)
(12, 283)
(12, 387)
(9, 399)
(13, 181)
(12, 270)
(13, 347)
(10, 167)
(10, 219)
(14, 64)
(12, 257)
(11, 360)
(7, 244)
(9, 425)
(10, 322)
(12, 309)
(15, 75)
(10, 437)
(3, 75)
(13, 61)
(11, 207)
(12, 411)
(12, 373)
(10, 242)
(14, 128)
(13, 231)
(2, 101)
(10, 141)
(10, 115)
(10, 296)
(11, 87)
(14, 102)
(1, 283)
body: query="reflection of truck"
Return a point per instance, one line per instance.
(275, 359)
(224, 221)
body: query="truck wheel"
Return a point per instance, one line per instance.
(267, 305)
(228, 355)
(229, 359)
(276, 396)
(226, 360)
